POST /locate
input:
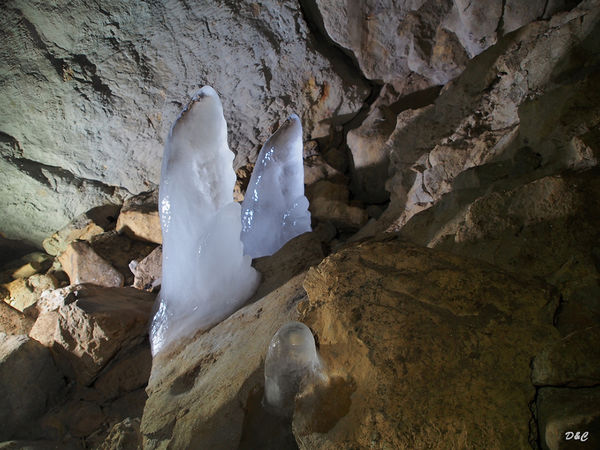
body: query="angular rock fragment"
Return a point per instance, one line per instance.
(139, 218)
(85, 334)
(148, 272)
(84, 265)
(95, 221)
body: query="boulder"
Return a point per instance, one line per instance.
(566, 415)
(422, 348)
(89, 332)
(84, 265)
(543, 228)
(148, 272)
(123, 435)
(19, 294)
(25, 363)
(139, 218)
(329, 201)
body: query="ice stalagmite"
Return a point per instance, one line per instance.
(275, 209)
(291, 366)
(205, 273)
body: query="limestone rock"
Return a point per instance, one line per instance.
(139, 219)
(392, 321)
(36, 262)
(562, 410)
(148, 272)
(197, 393)
(329, 201)
(83, 227)
(13, 321)
(243, 175)
(572, 361)
(370, 155)
(392, 39)
(521, 93)
(20, 294)
(123, 82)
(543, 228)
(25, 362)
(86, 334)
(84, 265)
(123, 435)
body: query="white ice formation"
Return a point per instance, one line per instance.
(291, 366)
(275, 209)
(206, 276)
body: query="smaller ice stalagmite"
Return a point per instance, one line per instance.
(206, 276)
(275, 209)
(292, 364)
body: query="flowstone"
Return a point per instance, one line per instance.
(275, 209)
(206, 275)
(291, 366)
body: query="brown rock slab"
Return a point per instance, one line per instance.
(84, 265)
(139, 218)
(29, 383)
(88, 333)
(430, 350)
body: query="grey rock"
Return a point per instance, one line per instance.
(25, 362)
(89, 94)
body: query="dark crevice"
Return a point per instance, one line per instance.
(500, 27)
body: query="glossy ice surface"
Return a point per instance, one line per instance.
(275, 209)
(292, 363)
(206, 276)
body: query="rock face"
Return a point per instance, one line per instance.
(434, 39)
(110, 94)
(528, 99)
(25, 363)
(393, 320)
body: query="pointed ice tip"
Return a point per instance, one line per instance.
(293, 117)
(205, 91)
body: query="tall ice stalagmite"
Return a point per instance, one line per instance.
(206, 276)
(275, 209)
